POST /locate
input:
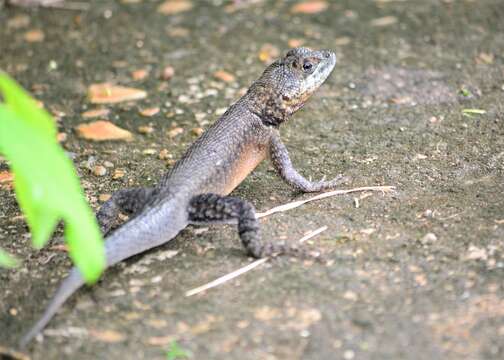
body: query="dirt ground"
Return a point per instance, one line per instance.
(414, 274)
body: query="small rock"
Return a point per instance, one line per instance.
(197, 131)
(149, 152)
(104, 197)
(139, 74)
(350, 296)
(149, 111)
(118, 173)
(100, 170)
(172, 7)
(428, 238)
(108, 164)
(174, 132)
(61, 137)
(168, 72)
(165, 155)
(145, 129)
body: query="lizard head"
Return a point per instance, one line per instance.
(286, 84)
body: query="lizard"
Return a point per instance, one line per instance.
(196, 189)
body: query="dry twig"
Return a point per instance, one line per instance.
(246, 268)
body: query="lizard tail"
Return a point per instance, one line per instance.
(70, 285)
(153, 227)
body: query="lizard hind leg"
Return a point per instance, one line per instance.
(129, 201)
(216, 208)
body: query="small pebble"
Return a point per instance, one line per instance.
(165, 155)
(197, 131)
(429, 238)
(100, 170)
(149, 152)
(168, 73)
(174, 132)
(145, 129)
(118, 173)
(104, 197)
(149, 111)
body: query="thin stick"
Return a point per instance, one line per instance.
(246, 268)
(295, 204)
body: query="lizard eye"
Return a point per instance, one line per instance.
(307, 66)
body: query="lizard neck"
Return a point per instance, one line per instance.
(269, 105)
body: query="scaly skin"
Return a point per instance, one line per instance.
(196, 188)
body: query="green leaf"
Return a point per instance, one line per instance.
(7, 260)
(46, 184)
(176, 352)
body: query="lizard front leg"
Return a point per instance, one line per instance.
(129, 201)
(217, 208)
(283, 165)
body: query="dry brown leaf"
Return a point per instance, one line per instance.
(149, 111)
(161, 340)
(102, 130)
(108, 336)
(95, 113)
(224, 76)
(310, 7)
(34, 36)
(106, 93)
(171, 7)
(139, 74)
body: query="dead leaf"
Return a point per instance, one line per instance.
(161, 340)
(224, 76)
(102, 130)
(309, 7)
(95, 113)
(139, 74)
(149, 111)
(34, 36)
(107, 336)
(171, 7)
(106, 93)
